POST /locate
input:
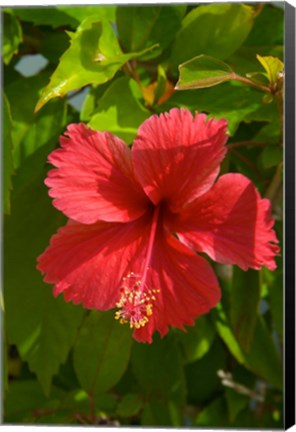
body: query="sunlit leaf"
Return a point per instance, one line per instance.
(80, 12)
(214, 29)
(273, 67)
(203, 71)
(93, 57)
(119, 110)
(12, 35)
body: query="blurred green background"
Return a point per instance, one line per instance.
(112, 67)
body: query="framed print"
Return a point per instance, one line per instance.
(148, 170)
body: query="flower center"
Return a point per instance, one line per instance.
(136, 301)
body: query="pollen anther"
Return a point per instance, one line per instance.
(135, 304)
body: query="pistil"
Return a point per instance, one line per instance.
(136, 301)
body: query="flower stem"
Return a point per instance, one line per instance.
(249, 82)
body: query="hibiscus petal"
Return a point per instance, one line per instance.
(94, 179)
(186, 283)
(231, 223)
(177, 157)
(87, 262)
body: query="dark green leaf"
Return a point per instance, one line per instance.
(271, 19)
(230, 101)
(12, 35)
(215, 29)
(161, 413)
(244, 60)
(244, 298)
(271, 156)
(7, 155)
(197, 340)
(26, 397)
(100, 364)
(214, 415)
(129, 405)
(158, 369)
(262, 357)
(119, 110)
(42, 328)
(235, 403)
(94, 57)
(203, 382)
(203, 71)
(46, 15)
(139, 27)
(32, 131)
(273, 284)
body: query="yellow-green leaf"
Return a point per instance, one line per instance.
(94, 56)
(273, 66)
(203, 71)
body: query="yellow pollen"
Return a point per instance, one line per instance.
(135, 304)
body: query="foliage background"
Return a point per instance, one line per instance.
(112, 67)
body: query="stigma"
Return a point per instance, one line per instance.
(136, 302)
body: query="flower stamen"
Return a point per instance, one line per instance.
(136, 302)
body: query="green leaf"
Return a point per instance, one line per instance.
(230, 101)
(244, 298)
(201, 376)
(262, 357)
(139, 27)
(161, 413)
(26, 396)
(270, 133)
(43, 328)
(93, 57)
(244, 60)
(158, 369)
(7, 155)
(271, 19)
(273, 284)
(99, 364)
(271, 156)
(197, 340)
(216, 30)
(213, 415)
(31, 131)
(79, 13)
(129, 405)
(203, 71)
(235, 403)
(273, 67)
(12, 35)
(119, 110)
(46, 15)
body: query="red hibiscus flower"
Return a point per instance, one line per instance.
(138, 216)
